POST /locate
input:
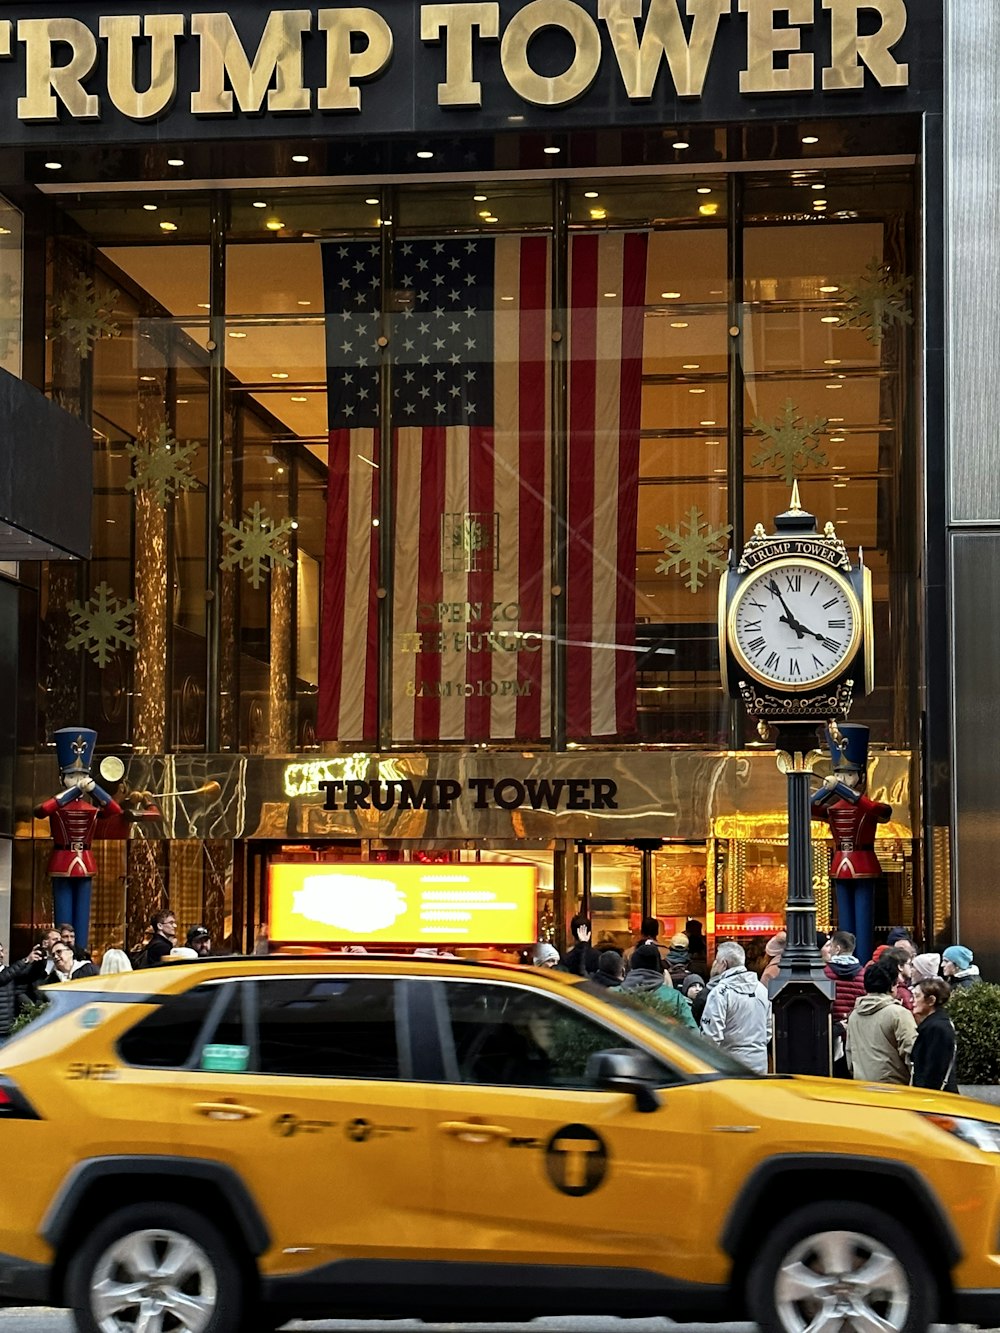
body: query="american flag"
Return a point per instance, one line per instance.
(471, 349)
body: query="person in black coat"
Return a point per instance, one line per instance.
(582, 958)
(9, 977)
(933, 1056)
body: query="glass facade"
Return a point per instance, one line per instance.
(441, 466)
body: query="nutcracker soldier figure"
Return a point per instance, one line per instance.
(72, 820)
(852, 817)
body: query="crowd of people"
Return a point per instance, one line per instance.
(889, 1014)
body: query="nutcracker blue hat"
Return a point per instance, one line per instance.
(75, 749)
(851, 752)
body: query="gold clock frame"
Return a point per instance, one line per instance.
(862, 616)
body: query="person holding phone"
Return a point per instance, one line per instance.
(9, 978)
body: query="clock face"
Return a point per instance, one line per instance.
(794, 625)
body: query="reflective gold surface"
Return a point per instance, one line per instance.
(583, 69)
(48, 84)
(848, 50)
(455, 25)
(675, 794)
(766, 41)
(277, 60)
(161, 31)
(662, 36)
(345, 67)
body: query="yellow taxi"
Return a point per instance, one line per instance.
(226, 1145)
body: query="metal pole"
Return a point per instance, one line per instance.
(214, 488)
(560, 466)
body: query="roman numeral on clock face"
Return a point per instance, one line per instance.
(772, 661)
(794, 582)
(836, 624)
(831, 645)
(794, 668)
(755, 645)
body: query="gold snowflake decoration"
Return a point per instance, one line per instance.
(791, 443)
(83, 317)
(688, 551)
(257, 545)
(103, 623)
(161, 466)
(876, 301)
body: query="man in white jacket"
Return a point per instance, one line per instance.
(737, 1014)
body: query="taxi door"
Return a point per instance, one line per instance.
(538, 1169)
(303, 1086)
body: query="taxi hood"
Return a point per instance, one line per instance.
(891, 1096)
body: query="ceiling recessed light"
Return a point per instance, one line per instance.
(810, 138)
(704, 189)
(148, 379)
(670, 296)
(260, 203)
(692, 365)
(819, 203)
(486, 212)
(299, 157)
(598, 214)
(506, 298)
(305, 303)
(697, 391)
(182, 402)
(679, 324)
(708, 210)
(836, 419)
(591, 194)
(480, 198)
(371, 201)
(837, 439)
(610, 295)
(203, 305)
(834, 386)
(829, 290)
(151, 208)
(706, 423)
(681, 144)
(817, 185)
(491, 218)
(273, 224)
(830, 319)
(175, 161)
(832, 361)
(551, 149)
(375, 521)
(279, 374)
(299, 398)
(168, 226)
(237, 333)
(53, 166)
(424, 154)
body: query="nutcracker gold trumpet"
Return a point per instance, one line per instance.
(210, 790)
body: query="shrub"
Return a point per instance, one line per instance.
(27, 1015)
(975, 1011)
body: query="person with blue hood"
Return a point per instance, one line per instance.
(646, 983)
(958, 968)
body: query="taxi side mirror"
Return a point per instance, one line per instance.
(627, 1071)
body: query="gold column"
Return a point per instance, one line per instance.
(147, 890)
(228, 647)
(280, 738)
(217, 906)
(149, 732)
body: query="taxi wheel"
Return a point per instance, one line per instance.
(840, 1266)
(155, 1266)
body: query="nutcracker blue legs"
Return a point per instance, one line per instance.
(856, 913)
(71, 902)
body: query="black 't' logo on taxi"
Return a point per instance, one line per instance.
(576, 1160)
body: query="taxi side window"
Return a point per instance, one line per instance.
(328, 1027)
(513, 1036)
(169, 1037)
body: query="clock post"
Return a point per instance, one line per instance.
(795, 643)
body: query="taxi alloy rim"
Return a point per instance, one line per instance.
(156, 1281)
(841, 1280)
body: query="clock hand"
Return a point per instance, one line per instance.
(788, 618)
(809, 632)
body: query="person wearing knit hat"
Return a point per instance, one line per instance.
(925, 966)
(610, 969)
(678, 961)
(958, 967)
(774, 948)
(693, 988)
(545, 955)
(899, 938)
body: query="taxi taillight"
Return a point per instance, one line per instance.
(13, 1103)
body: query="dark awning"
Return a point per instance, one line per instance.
(46, 477)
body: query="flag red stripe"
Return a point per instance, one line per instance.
(427, 706)
(532, 491)
(331, 665)
(371, 647)
(633, 323)
(580, 507)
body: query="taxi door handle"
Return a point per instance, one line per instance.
(471, 1131)
(226, 1111)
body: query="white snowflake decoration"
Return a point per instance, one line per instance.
(103, 624)
(688, 551)
(82, 316)
(257, 545)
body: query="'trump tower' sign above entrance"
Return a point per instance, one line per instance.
(401, 65)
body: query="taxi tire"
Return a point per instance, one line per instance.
(230, 1278)
(765, 1264)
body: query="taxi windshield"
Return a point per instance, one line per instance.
(700, 1047)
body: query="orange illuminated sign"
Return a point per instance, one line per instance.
(402, 904)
